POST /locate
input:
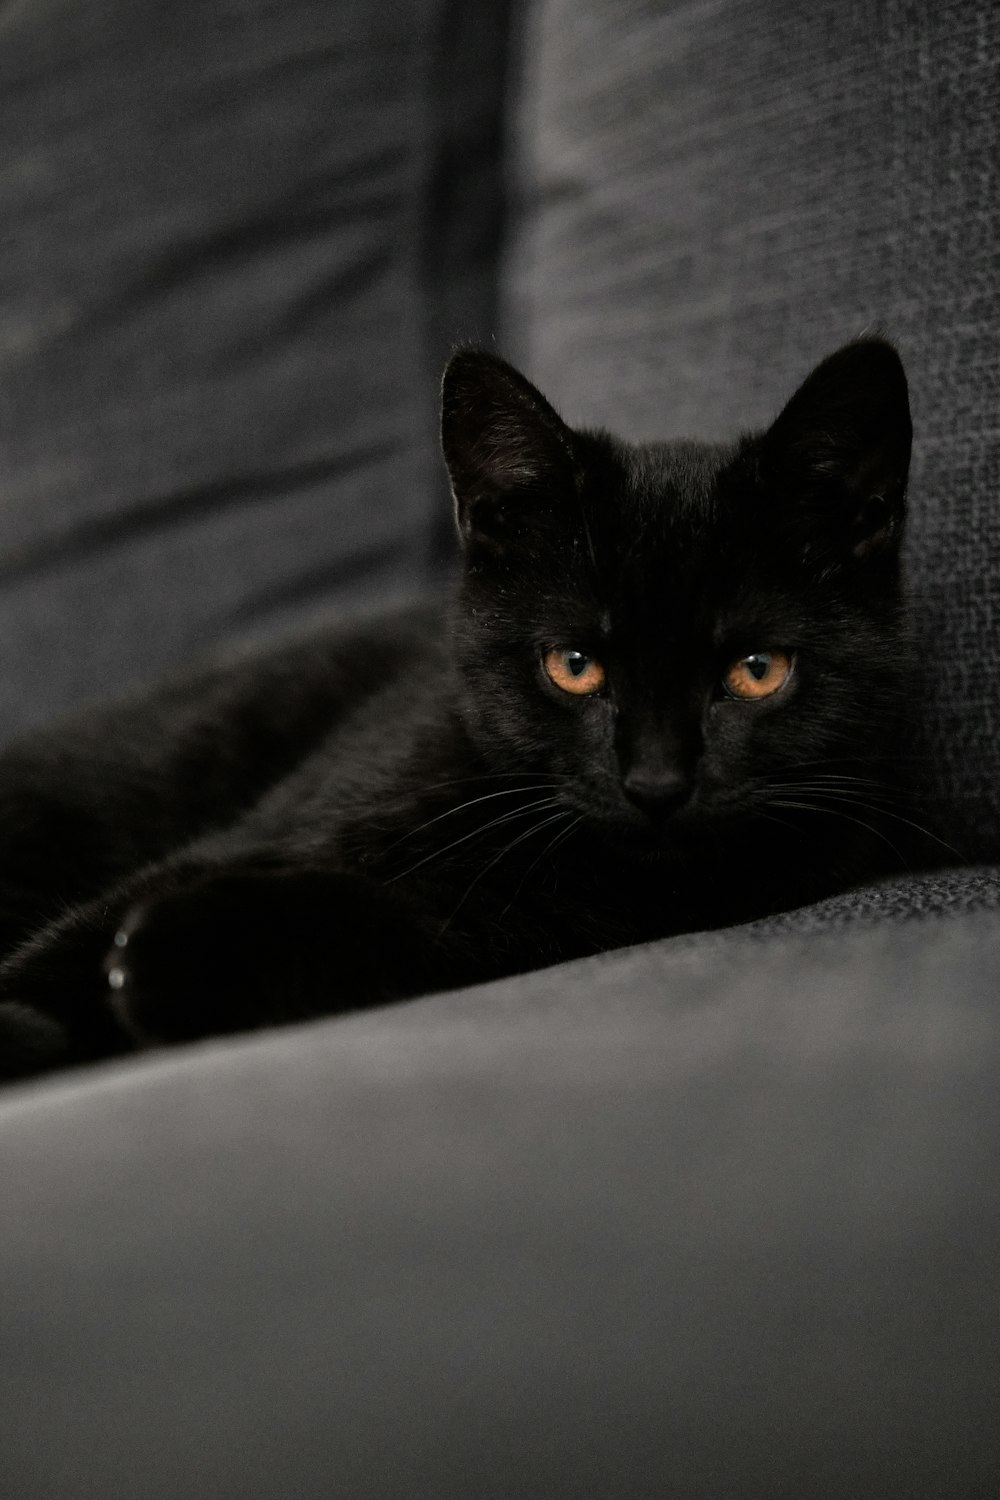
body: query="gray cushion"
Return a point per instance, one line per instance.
(907, 898)
(695, 1220)
(235, 247)
(713, 197)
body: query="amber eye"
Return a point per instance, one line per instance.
(574, 671)
(757, 676)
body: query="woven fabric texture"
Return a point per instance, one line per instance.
(234, 247)
(715, 195)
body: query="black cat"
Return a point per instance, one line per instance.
(666, 695)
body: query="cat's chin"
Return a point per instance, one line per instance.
(672, 836)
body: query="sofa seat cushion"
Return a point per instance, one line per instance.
(697, 1218)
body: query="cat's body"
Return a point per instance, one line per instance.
(586, 747)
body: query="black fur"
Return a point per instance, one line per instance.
(413, 804)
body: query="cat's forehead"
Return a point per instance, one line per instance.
(668, 525)
(681, 473)
(674, 490)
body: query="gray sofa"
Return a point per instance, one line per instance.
(714, 1217)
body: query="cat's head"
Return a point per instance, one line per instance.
(670, 631)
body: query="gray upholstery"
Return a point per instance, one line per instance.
(714, 197)
(711, 1217)
(234, 252)
(906, 898)
(671, 1222)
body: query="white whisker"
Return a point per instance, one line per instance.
(855, 799)
(550, 848)
(514, 791)
(519, 812)
(835, 812)
(537, 828)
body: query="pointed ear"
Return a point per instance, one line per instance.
(839, 453)
(509, 455)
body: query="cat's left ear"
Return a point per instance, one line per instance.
(509, 455)
(840, 450)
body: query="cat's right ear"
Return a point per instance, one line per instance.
(840, 452)
(509, 455)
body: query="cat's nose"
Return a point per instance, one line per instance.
(657, 792)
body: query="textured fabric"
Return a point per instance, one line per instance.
(908, 898)
(714, 196)
(688, 1222)
(233, 250)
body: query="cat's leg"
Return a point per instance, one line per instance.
(198, 950)
(53, 995)
(245, 947)
(30, 1042)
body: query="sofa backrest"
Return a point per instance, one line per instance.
(235, 245)
(714, 197)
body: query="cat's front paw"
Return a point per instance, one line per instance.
(30, 1041)
(239, 951)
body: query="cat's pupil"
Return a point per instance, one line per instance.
(758, 666)
(577, 663)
